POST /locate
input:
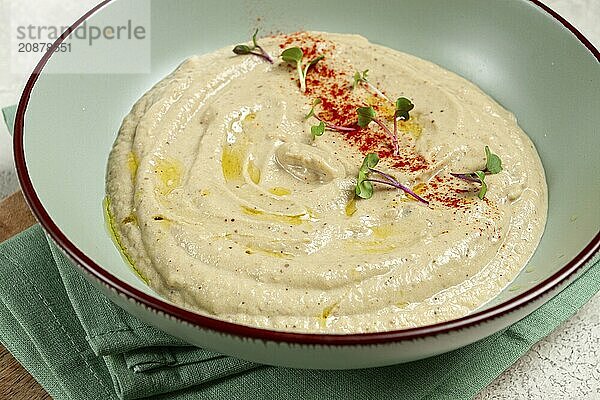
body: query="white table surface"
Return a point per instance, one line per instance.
(565, 365)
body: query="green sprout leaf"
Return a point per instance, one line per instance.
(371, 160)
(315, 103)
(403, 106)
(360, 77)
(293, 55)
(254, 38)
(364, 188)
(317, 130)
(311, 63)
(241, 49)
(483, 189)
(365, 116)
(493, 163)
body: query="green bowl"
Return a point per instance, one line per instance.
(528, 58)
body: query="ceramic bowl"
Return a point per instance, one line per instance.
(524, 55)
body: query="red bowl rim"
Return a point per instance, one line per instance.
(205, 322)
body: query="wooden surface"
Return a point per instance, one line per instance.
(15, 381)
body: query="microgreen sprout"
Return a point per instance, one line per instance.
(403, 106)
(493, 165)
(366, 115)
(311, 113)
(364, 187)
(364, 184)
(255, 49)
(361, 77)
(294, 56)
(319, 129)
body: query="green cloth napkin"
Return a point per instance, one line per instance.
(79, 345)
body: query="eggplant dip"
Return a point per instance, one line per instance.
(316, 182)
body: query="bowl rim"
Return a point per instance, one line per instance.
(88, 266)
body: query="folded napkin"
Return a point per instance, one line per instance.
(79, 345)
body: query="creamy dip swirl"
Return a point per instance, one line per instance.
(224, 203)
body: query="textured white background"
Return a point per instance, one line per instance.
(565, 365)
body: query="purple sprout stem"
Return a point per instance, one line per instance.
(390, 180)
(338, 127)
(386, 176)
(263, 54)
(266, 55)
(466, 177)
(387, 130)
